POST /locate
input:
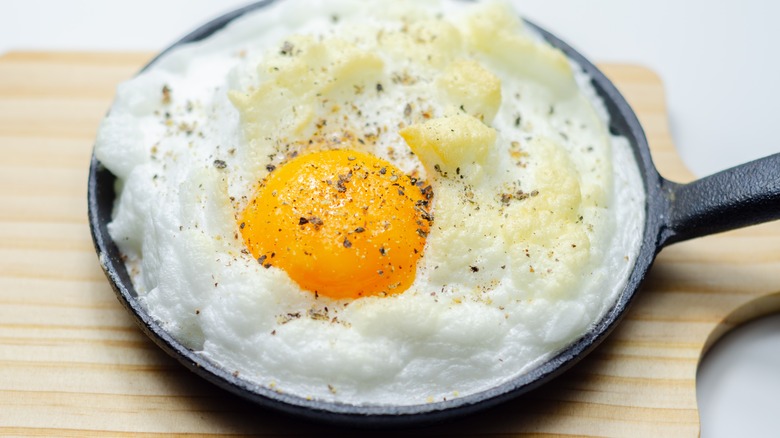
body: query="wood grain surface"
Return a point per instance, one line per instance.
(73, 363)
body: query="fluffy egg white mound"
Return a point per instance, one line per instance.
(538, 211)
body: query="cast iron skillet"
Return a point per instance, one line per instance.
(737, 197)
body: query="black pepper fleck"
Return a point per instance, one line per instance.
(287, 48)
(166, 95)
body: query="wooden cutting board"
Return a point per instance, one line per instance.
(72, 362)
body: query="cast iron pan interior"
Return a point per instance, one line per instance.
(667, 221)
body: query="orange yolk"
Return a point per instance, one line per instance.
(341, 223)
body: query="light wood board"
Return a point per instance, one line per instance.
(73, 363)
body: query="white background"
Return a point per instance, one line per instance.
(718, 60)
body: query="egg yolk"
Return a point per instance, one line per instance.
(341, 223)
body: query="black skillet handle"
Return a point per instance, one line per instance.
(744, 195)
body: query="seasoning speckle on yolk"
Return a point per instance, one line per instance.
(341, 223)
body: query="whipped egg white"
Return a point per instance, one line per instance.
(536, 210)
